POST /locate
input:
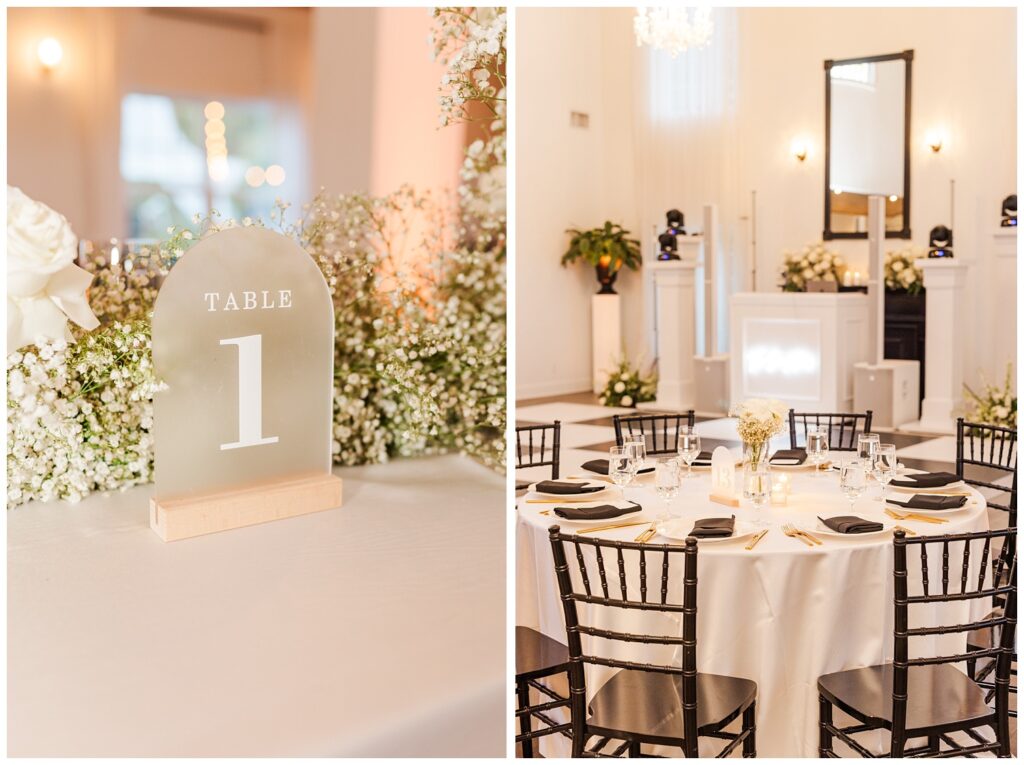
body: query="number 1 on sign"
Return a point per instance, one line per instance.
(250, 392)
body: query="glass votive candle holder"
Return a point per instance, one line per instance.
(780, 490)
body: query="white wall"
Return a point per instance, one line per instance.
(583, 59)
(963, 83)
(358, 81)
(567, 177)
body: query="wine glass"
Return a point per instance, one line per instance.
(885, 467)
(757, 483)
(817, 445)
(853, 479)
(620, 465)
(688, 447)
(666, 482)
(636, 447)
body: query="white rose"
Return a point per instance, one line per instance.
(627, 401)
(897, 266)
(907, 277)
(620, 386)
(808, 273)
(44, 286)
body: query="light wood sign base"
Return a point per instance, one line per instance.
(182, 518)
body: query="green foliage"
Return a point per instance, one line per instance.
(611, 242)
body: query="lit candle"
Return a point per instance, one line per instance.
(848, 279)
(856, 278)
(780, 490)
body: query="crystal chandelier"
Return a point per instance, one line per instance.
(673, 29)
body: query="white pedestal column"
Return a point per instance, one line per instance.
(674, 293)
(943, 343)
(606, 315)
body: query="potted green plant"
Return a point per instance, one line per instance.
(607, 249)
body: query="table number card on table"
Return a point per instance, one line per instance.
(243, 340)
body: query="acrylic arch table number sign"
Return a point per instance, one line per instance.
(243, 342)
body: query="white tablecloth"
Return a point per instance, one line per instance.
(782, 614)
(373, 629)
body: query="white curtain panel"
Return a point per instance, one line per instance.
(687, 153)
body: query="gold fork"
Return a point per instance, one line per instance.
(804, 534)
(791, 531)
(899, 516)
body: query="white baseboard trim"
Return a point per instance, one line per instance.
(554, 388)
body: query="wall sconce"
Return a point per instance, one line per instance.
(934, 141)
(50, 53)
(799, 149)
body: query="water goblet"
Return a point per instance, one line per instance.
(688, 447)
(620, 466)
(817, 445)
(853, 480)
(636, 447)
(666, 483)
(886, 466)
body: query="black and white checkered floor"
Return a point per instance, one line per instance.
(587, 431)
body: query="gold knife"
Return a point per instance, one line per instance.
(810, 536)
(557, 501)
(610, 526)
(757, 538)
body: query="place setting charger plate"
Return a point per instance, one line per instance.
(679, 529)
(585, 522)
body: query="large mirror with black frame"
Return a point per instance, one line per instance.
(867, 137)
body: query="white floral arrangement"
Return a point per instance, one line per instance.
(814, 263)
(628, 386)
(995, 405)
(758, 420)
(901, 271)
(420, 361)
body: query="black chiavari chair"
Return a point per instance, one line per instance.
(986, 454)
(660, 431)
(926, 696)
(540, 658)
(535, 442)
(643, 703)
(843, 429)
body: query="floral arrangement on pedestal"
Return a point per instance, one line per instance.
(759, 419)
(628, 386)
(813, 263)
(995, 405)
(420, 362)
(902, 273)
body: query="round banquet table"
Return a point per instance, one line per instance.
(781, 614)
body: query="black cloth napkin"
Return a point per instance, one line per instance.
(789, 454)
(599, 513)
(851, 524)
(601, 466)
(703, 459)
(713, 527)
(520, 485)
(563, 487)
(926, 480)
(930, 502)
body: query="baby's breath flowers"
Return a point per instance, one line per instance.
(79, 416)
(758, 420)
